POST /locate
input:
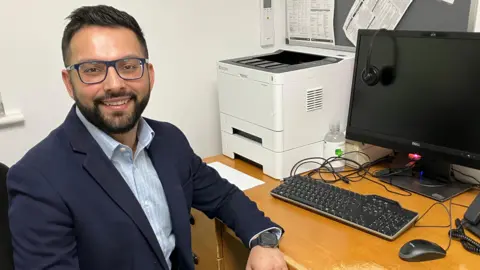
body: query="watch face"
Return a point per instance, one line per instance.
(268, 239)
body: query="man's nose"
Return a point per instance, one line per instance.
(113, 81)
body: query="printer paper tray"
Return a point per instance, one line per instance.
(275, 164)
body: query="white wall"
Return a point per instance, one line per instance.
(477, 20)
(184, 93)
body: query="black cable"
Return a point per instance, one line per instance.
(456, 234)
(449, 212)
(394, 172)
(466, 175)
(323, 165)
(450, 231)
(462, 205)
(328, 168)
(408, 193)
(307, 162)
(361, 168)
(432, 226)
(450, 219)
(326, 162)
(361, 171)
(299, 163)
(468, 243)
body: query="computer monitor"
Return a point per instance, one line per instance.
(419, 92)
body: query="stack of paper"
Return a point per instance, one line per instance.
(241, 180)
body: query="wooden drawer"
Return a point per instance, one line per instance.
(204, 241)
(235, 254)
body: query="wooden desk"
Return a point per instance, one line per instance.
(312, 241)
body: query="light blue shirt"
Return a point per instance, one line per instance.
(140, 174)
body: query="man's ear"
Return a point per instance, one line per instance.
(67, 82)
(151, 75)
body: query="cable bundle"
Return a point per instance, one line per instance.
(347, 176)
(467, 242)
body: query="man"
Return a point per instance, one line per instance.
(109, 189)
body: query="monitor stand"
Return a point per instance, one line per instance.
(431, 178)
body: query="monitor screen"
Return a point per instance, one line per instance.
(430, 104)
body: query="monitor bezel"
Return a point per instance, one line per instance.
(425, 149)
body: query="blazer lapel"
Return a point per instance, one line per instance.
(107, 176)
(161, 156)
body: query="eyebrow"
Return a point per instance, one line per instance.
(93, 59)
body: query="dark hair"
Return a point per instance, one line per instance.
(100, 15)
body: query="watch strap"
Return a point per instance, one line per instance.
(258, 241)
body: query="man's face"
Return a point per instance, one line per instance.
(115, 104)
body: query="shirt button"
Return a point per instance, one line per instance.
(123, 149)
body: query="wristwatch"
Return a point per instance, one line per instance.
(265, 239)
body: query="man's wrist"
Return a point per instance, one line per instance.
(278, 231)
(265, 239)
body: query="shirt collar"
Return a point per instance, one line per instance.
(145, 136)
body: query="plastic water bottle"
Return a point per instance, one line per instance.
(334, 147)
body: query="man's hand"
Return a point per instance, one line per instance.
(262, 258)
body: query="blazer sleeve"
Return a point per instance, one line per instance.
(41, 227)
(218, 198)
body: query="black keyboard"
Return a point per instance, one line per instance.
(375, 214)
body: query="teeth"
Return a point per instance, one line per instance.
(118, 103)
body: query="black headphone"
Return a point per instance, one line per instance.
(371, 75)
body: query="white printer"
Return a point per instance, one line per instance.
(276, 108)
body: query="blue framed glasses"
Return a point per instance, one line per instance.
(92, 72)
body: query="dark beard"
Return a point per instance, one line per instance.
(95, 116)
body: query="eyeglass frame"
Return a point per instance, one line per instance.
(109, 64)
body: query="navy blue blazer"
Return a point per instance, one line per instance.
(71, 209)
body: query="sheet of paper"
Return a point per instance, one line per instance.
(241, 180)
(311, 21)
(374, 14)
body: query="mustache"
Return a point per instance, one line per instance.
(120, 94)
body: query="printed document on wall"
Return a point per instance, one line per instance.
(374, 14)
(311, 21)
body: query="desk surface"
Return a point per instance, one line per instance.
(316, 242)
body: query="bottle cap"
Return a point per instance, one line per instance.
(335, 126)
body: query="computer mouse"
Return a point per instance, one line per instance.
(419, 250)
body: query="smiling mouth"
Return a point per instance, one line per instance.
(116, 102)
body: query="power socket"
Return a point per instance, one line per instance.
(267, 31)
